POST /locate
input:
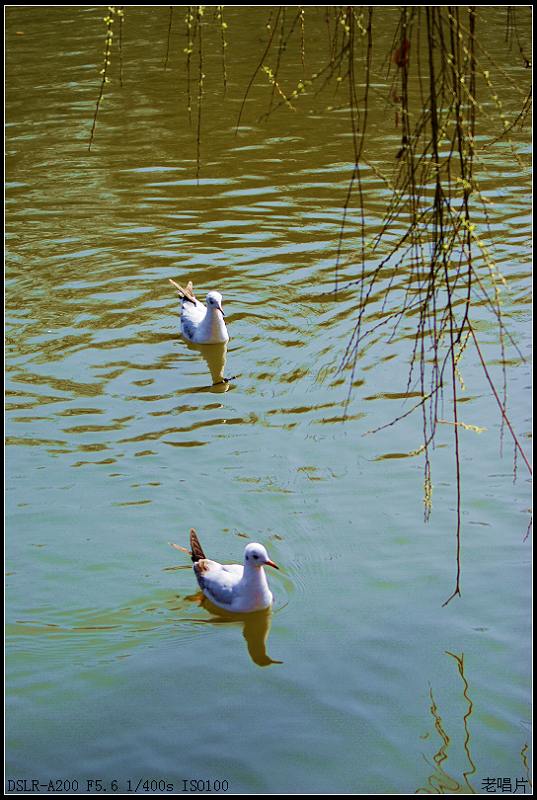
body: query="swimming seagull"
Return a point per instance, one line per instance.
(201, 324)
(231, 586)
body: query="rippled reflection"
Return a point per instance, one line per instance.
(440, 781)
(215, 357)
(256, 628)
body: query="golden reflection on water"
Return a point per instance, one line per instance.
(440, 782)
(215, 357)
(256, 628)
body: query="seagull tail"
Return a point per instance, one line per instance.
(195, 546)
(186, 294)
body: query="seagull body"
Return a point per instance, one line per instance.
(201, 324)
(235, 587)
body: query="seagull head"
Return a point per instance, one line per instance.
(214, 300)
(256, 556)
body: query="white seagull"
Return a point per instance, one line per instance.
(201, 324)
(231, 586)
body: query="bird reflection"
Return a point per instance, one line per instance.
(256, 628)
(215, 357)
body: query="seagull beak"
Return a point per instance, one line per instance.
(221, 310)
(270, 563)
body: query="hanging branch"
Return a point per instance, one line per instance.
(498, 401)
(107, 52)
(358, 128)
(201, 76)
(168, 39)
(223, 43)
(302, 41)
(121, 16)
(272, 30)
(188, 50)
(436, 252)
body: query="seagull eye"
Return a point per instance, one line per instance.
(256, 556)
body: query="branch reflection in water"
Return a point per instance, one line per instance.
(440, 781)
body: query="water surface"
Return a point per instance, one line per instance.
(117, 445)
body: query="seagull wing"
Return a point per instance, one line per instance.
(192, 311)
(217, 581)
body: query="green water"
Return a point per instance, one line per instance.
(117, 444)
